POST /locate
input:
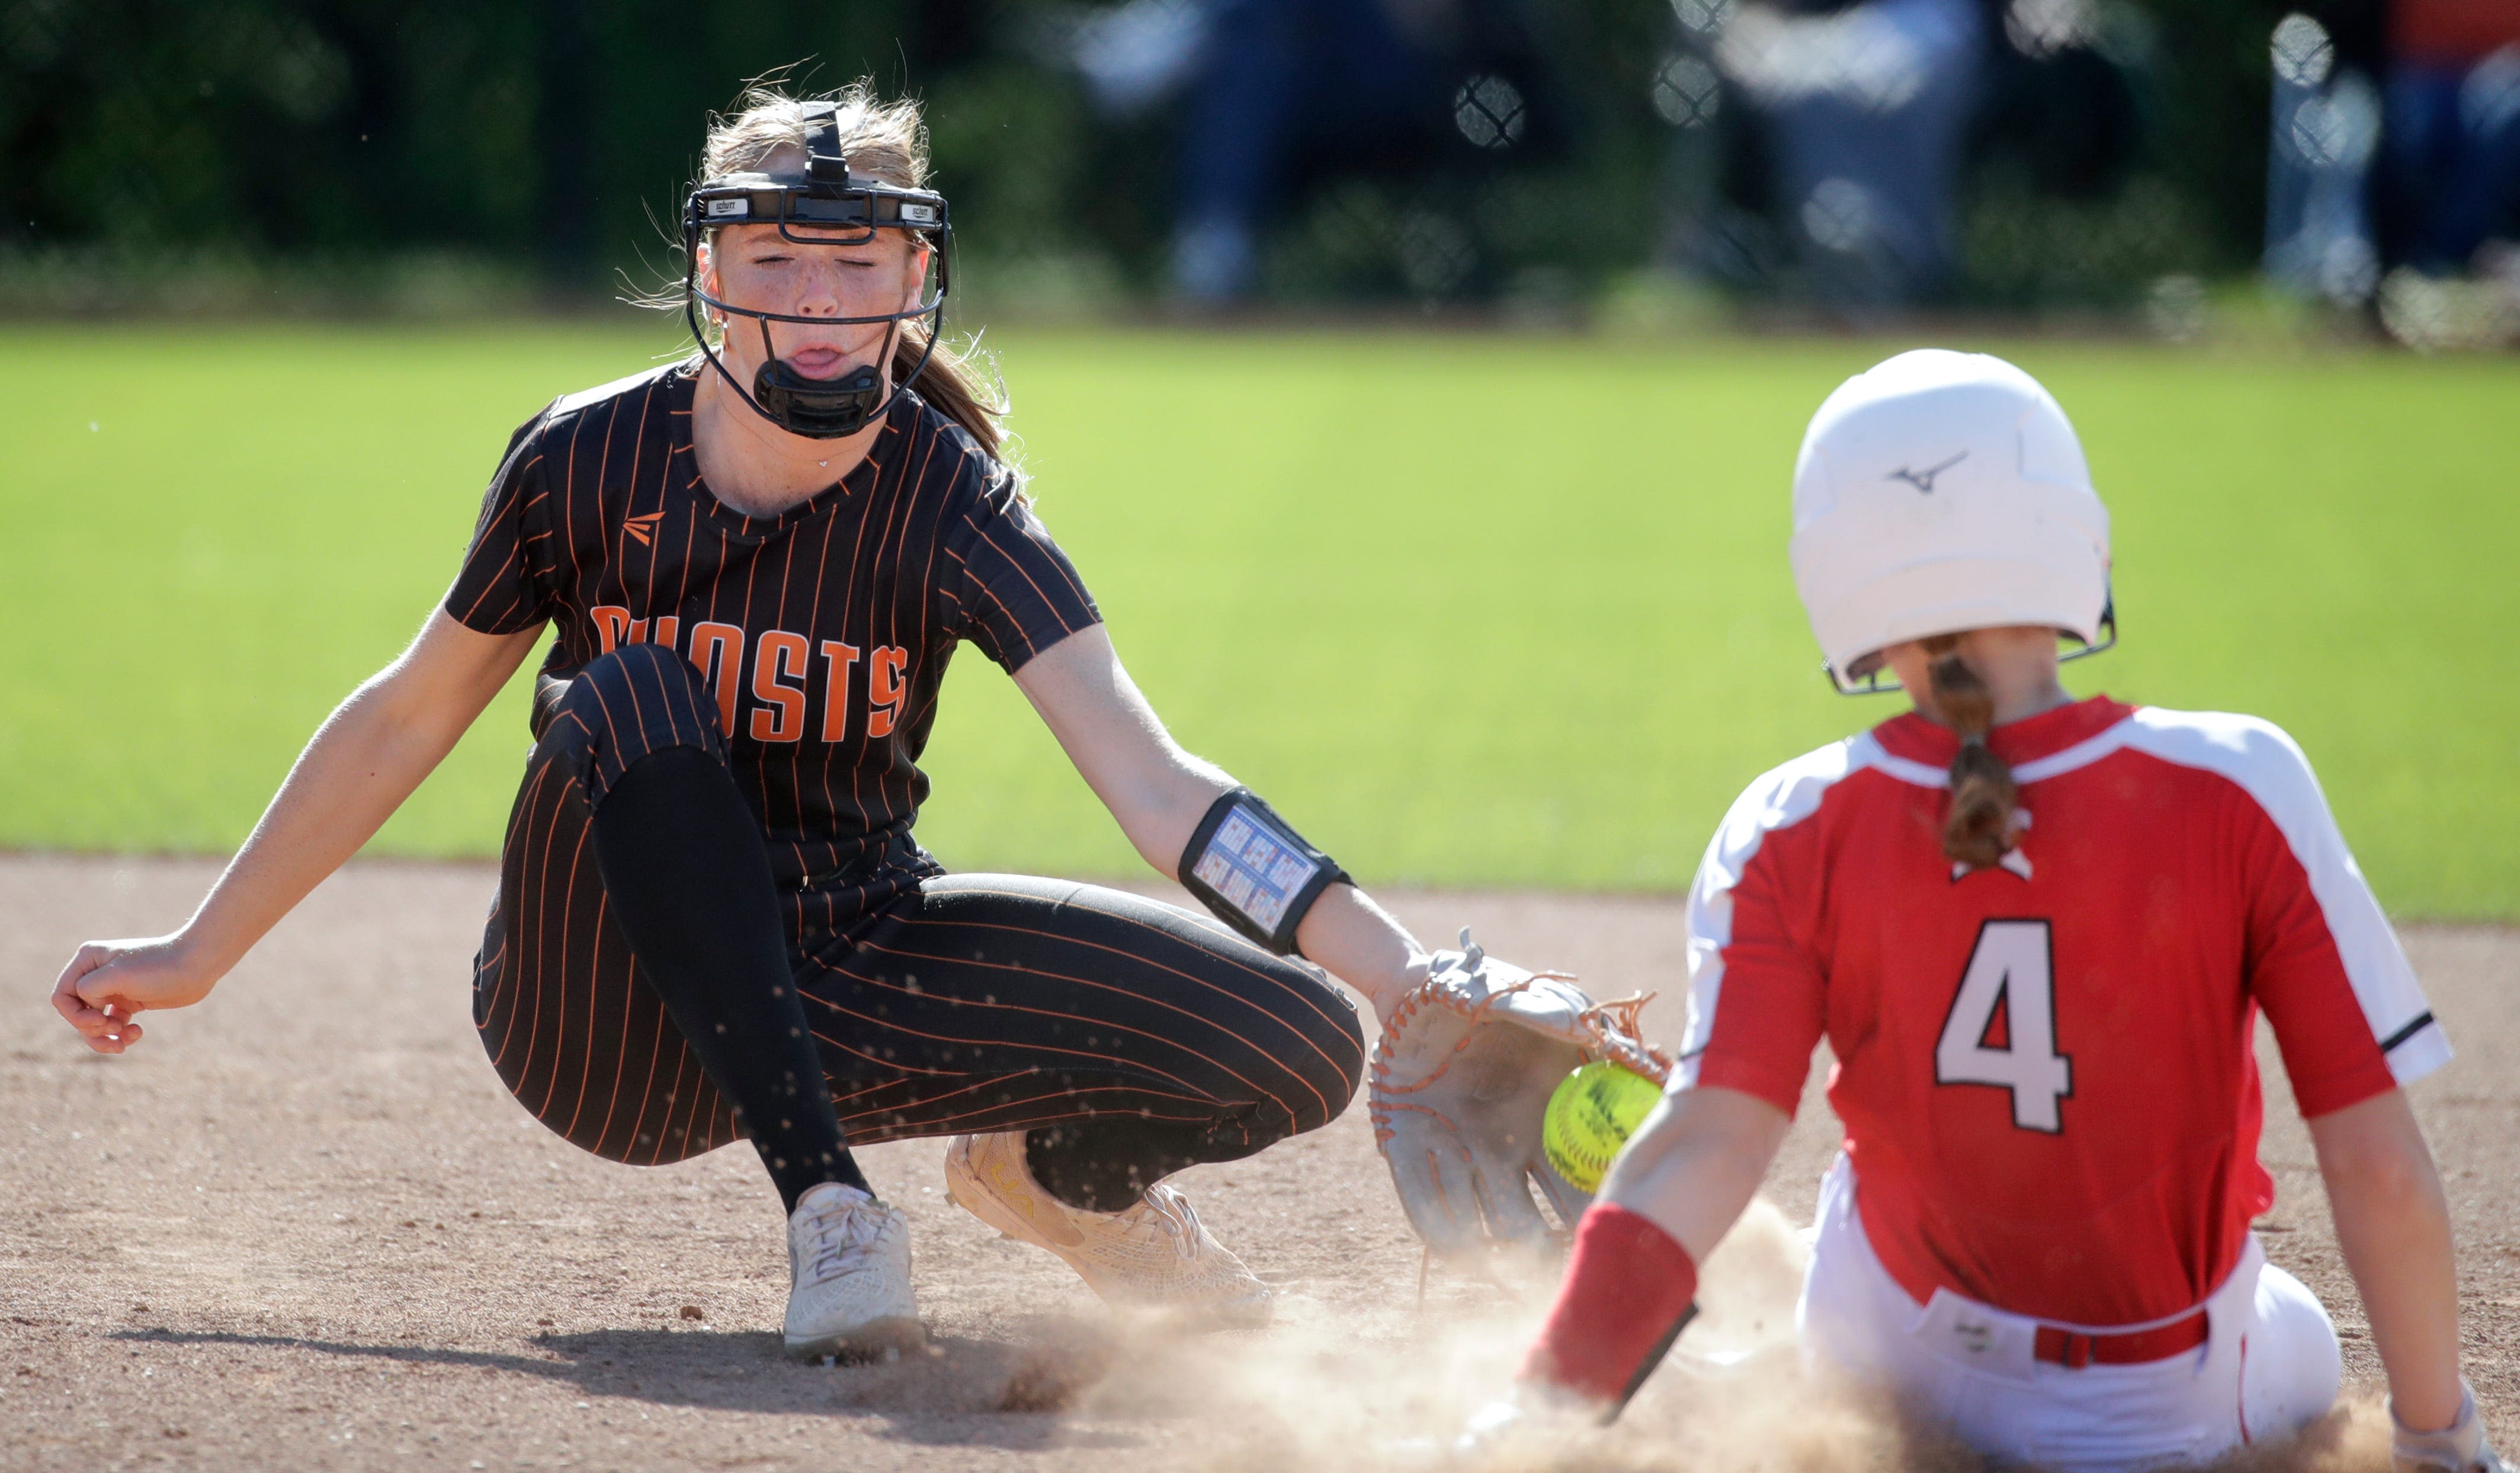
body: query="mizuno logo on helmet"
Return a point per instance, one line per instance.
(1923, 481)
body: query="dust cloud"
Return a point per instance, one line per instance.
(1327, 1387)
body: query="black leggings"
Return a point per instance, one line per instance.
(939, 1004)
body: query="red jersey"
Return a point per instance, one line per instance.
(2046, 1070)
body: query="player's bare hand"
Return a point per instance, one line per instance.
(109, 984)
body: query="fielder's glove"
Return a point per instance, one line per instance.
(2459, 1447)
(1461, 1080)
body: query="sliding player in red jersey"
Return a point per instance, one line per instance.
(2037, 933)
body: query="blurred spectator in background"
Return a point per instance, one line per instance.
(2324, 119)
(1874, 154)
(2451, 132)
(1866, 107)
(1286, 83)
(2404, 192)
(1279, 94)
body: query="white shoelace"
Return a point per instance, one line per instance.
(1171, 1211)
(840, 1235)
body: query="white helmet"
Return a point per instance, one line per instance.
(1942, 491)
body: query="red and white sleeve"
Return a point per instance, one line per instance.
(2322, 959)
(1756, 997)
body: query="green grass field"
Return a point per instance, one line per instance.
(1474, 610)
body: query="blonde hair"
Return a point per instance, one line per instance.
(883, 140)
(887, 141)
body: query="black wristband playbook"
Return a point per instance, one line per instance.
(1250, 867)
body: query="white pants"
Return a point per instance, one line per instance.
(2268, 1368)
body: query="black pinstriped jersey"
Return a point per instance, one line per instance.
(823, 632)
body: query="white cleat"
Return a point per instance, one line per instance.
(1154, 1255)
(848, 1275)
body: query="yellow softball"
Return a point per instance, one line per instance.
(1589, 1117)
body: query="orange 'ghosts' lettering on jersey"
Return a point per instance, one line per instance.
(2047, 1070)
(778, 663)
(884, 688)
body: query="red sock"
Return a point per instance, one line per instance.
(1628, 1289)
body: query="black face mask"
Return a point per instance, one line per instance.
(821, 408)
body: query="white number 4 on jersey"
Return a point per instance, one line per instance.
(2011, 969)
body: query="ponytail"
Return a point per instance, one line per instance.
(1978, 828)
(953, 384)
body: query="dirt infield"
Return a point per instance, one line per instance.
(304, 1227)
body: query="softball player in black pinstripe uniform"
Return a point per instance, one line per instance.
(712, 918)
